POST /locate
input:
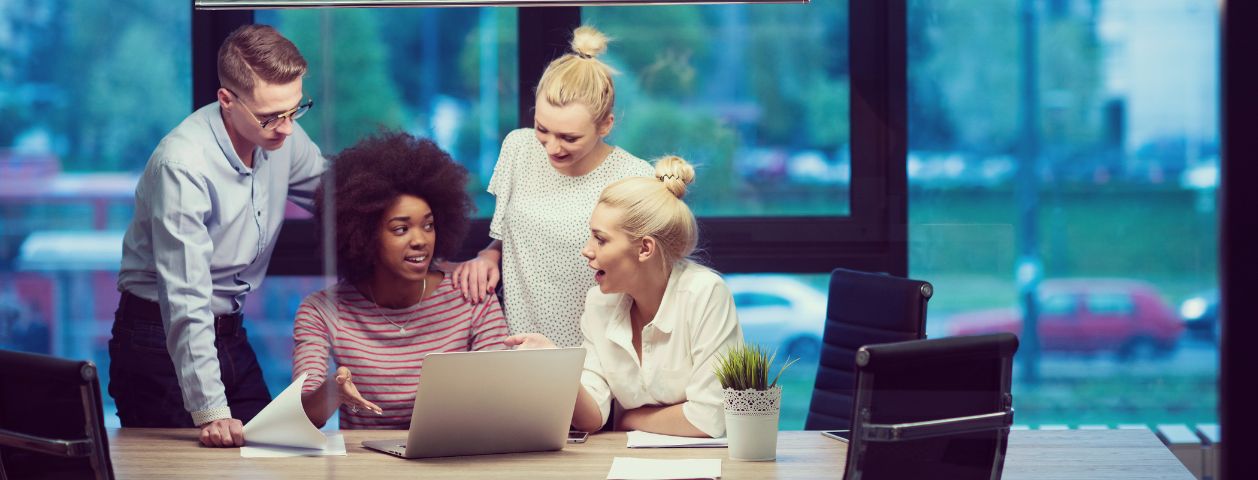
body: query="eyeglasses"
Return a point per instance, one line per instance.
(274, 120)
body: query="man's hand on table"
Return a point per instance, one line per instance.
(224, 432)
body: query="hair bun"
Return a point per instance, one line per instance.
(676, 174)
(588, 42)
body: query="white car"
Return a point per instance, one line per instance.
(780, 312)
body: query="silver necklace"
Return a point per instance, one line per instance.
(376, 306)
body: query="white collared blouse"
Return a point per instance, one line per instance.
(695, 321)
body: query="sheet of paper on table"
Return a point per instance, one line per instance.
(629, 468)
(334, 446)
(282, 429)
(638, 439)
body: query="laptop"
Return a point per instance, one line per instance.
(477, 403)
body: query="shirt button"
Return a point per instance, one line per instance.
(259, 213)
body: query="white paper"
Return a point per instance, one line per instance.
(283, 423)
(628, 468)
(639, 439)
(335, 446)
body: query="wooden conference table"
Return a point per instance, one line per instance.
(1032, 454)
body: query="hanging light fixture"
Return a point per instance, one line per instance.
(275, 4)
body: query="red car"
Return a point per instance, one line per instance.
(1127, 317)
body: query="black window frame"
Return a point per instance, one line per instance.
(1238, 233)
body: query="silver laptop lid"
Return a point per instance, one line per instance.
(472, 403)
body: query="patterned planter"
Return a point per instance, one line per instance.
(751, 423)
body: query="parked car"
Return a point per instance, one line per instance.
(782, 312)
(1086, 315)
(1201, 315)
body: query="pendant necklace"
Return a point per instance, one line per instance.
(376, 306)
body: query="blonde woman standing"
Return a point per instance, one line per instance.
(653, 325)
(546, 183)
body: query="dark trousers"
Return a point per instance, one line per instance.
(142, 376)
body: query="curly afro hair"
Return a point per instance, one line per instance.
(368, 177)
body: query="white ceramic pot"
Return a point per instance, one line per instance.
(751, 423)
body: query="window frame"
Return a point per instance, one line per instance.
(1238, 232)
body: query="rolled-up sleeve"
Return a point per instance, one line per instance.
(715, 330)
(179, 212)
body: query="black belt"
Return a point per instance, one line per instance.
(140, 310)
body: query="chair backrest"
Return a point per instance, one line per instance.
(51, 421)
(863, 308)
(932, 409)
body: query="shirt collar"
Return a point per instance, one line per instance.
(664, 322)
(225, 143)
(620, 328)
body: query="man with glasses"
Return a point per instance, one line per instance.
(208, 209)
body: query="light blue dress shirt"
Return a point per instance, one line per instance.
(203, 232)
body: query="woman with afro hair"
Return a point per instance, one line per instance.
(396, 204)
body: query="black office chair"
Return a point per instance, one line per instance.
(51, 423)
(863, 308)
(932, 409)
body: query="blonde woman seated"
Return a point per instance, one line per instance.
(656, 320)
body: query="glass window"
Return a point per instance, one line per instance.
(449, 74)
(1105, 188)
(785, 314)
(82, 112)
(1058, 305)
(1115, 304)
(750, 300)
(755, 95)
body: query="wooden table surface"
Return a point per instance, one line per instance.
(1032, 454)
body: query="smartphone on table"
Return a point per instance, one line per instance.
(840, 435)
(577, 436)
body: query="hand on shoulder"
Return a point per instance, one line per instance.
(477, 278)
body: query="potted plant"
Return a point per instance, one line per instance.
(752, 402)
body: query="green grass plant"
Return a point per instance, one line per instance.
(746, 367)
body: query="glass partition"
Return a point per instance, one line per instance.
(755, 95)
(82, 112)
(1063, 166)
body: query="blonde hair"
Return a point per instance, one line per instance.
(258, 52)
(654, 207)
(580, 77)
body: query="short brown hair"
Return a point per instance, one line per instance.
(258, 51)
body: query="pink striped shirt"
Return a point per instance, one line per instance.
(386, 363)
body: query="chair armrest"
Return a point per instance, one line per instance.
(935, 428)
(60, 448)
